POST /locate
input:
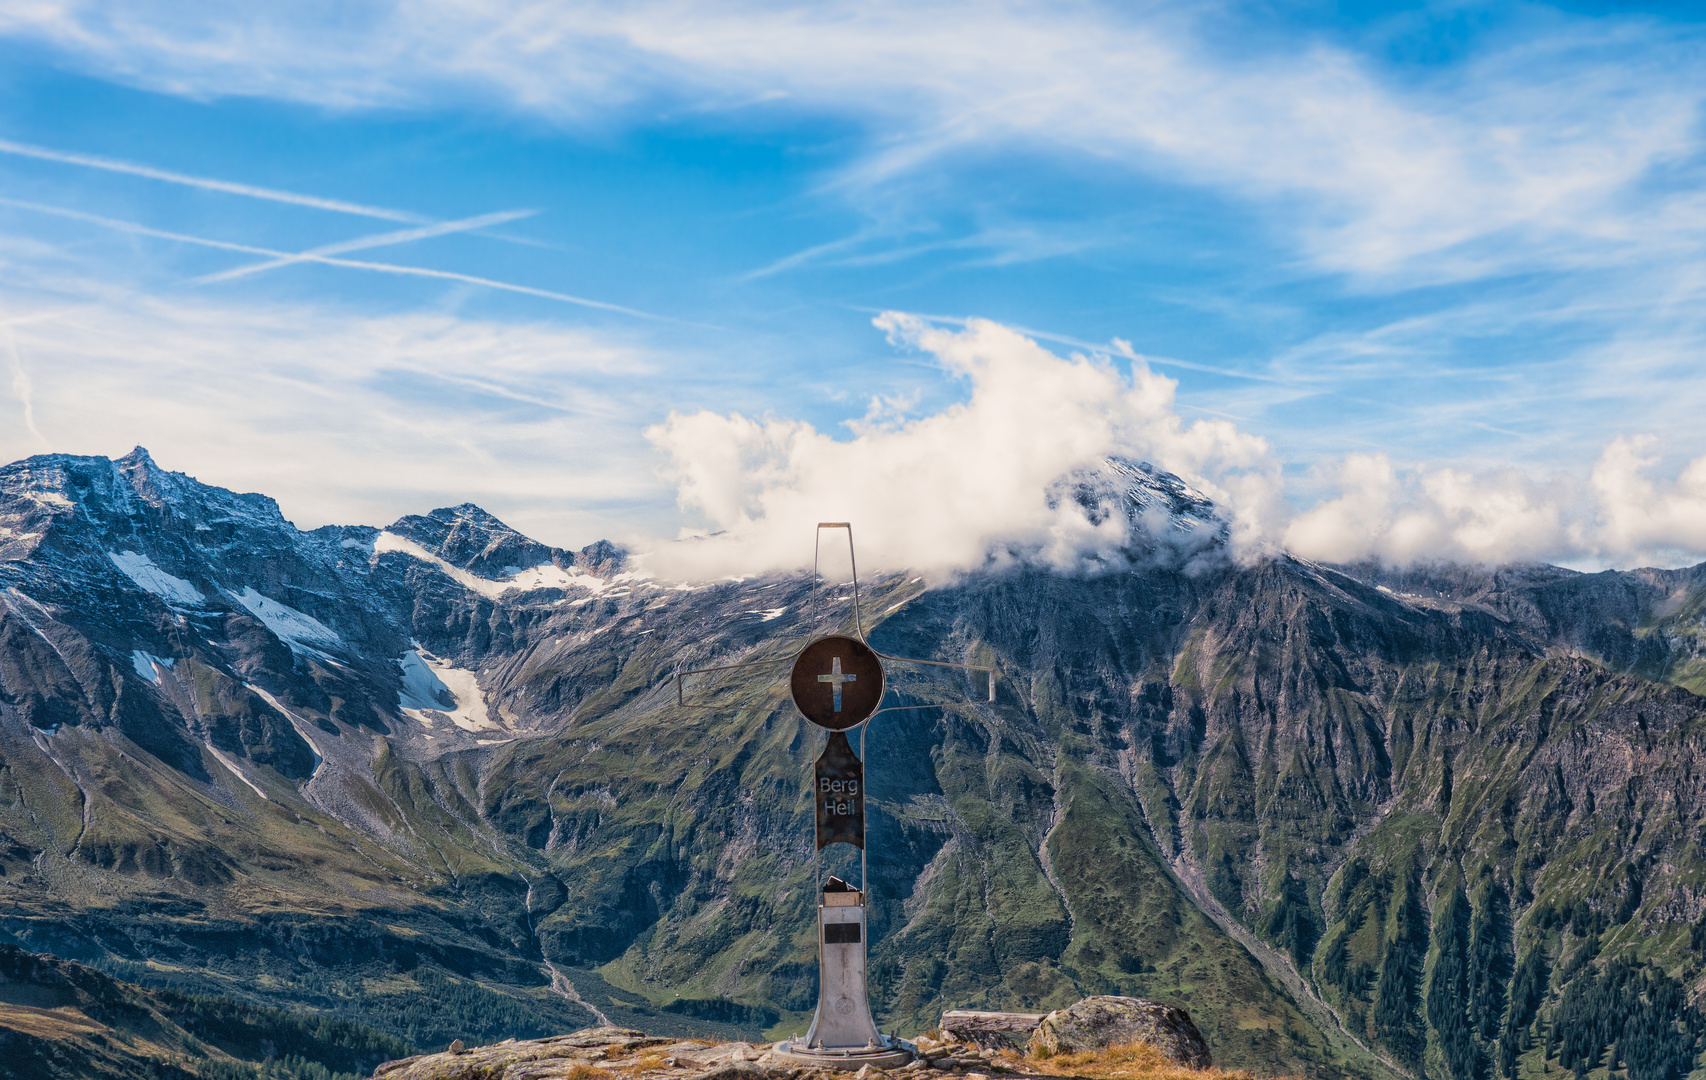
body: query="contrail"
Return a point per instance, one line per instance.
(401, 236)
(45, 316)
(42, 153)
(327, 260)
(143, 230)
(21, 386)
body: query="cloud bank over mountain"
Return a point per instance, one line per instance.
(941, 491)
(349, 420)
(953, 489)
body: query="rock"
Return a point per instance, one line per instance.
(737, 1070)
(729, 1051)
(990, 1030)
(1100, 1022)
(542, 1059)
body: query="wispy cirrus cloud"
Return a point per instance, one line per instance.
(345, 417)
(1546, 147)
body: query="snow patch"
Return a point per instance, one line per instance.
(422, 688)
(302, 727)
(49, 498)
(543, 576)
(150, 578)
(552, 576)
(428, 681)
(148, 665)
(297, 629)
(226, 761)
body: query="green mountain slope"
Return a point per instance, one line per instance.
(62, 1021)
(1359, 821)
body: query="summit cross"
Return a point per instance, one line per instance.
(843, 1035)
(837, 679)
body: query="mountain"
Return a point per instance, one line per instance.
(433, 778)
(60, 1020)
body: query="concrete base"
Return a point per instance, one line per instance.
(891, 1055)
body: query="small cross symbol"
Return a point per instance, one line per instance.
(837, 679)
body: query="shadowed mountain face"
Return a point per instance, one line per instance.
(1441, 821)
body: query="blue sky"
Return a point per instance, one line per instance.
(1444, 261)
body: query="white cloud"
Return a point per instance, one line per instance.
(945, 491)
(1570, 149)
(942, 491)
(1430, 515)
(1638, 514)
(1538, 150)
(1620, 516)
(351, 419)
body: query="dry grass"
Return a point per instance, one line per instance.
(1136, 1061)
(649, 1062)
(582, 1071)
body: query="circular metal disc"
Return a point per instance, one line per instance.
(837, 682)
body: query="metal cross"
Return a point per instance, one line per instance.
(843, 1034)
(837, 678)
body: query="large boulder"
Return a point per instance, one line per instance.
(990, 1030)
(1097, 1023)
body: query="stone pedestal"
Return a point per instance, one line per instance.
(891, 1055)
(843, 1035)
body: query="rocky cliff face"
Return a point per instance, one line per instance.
(1356, 819)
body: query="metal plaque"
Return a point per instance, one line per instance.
(837, 682)
(838, 789)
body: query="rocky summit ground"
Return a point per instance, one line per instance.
(622, 1054)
